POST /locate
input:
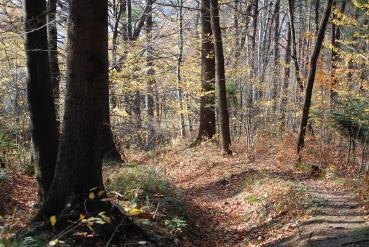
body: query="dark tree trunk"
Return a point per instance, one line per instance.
(109, 150)
(207, 112)
(336, 35)
(129, 19)
(276, 68)
(79, 166)
(40, 97)
(311, 76)
(291, 7)
(221, 82)
(53, 54)
(119, 12)
(316, 11)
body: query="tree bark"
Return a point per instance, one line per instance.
(40, 96)
(220, 80)
(336, 35)
(53, 54)
(291, 8)
(79, 166)
(276, 63)
(286, 78)
(311, 76)
(179, 71)
(207, 126)
(149, 99)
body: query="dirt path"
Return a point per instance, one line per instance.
(338, 221)
(214, 192)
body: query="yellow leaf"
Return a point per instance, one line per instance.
(53, 220)
(91, 196)
(81, 217)
(135, 211)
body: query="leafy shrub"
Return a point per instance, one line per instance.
(136, 180)
(147, 196)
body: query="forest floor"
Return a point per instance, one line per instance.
(254, 198)
(231, 201)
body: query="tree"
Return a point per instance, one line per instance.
(286, 77)
(207, 112)
(179, 69)
(291, 8)
(149, 99)
(311, 77)
(39, 93)
(79, 166)
(276, 55)
(53, 52)
(225, 135)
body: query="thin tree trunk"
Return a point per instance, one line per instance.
(149, 99)
(316, 11)
(129, 20)
(220, 80)
(291, 8)
(286, 78)
(311, 77)
(179, 71)
(276, 68)
(40, 96)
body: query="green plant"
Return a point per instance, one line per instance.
(175, 225)
(28, 169)
(4, 175)
(352, 119)
(134, 181)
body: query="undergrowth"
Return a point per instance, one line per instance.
(275, 205)
(146, 195)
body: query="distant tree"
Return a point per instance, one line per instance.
(40, 97)
(179, 70)
(311, 76)
(225, 135)
(149, 98)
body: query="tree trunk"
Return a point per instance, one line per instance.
(336, 35)
(291, 8)
(79, 166)
(129, 20)
(40, 96)
(150, 132)
(311, 76)
(179, 71)
(286, 78)
(207, 112)
(220, 80)
(109, 149)
(53, 54)
(276, 68)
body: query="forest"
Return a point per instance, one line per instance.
(184, 123)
